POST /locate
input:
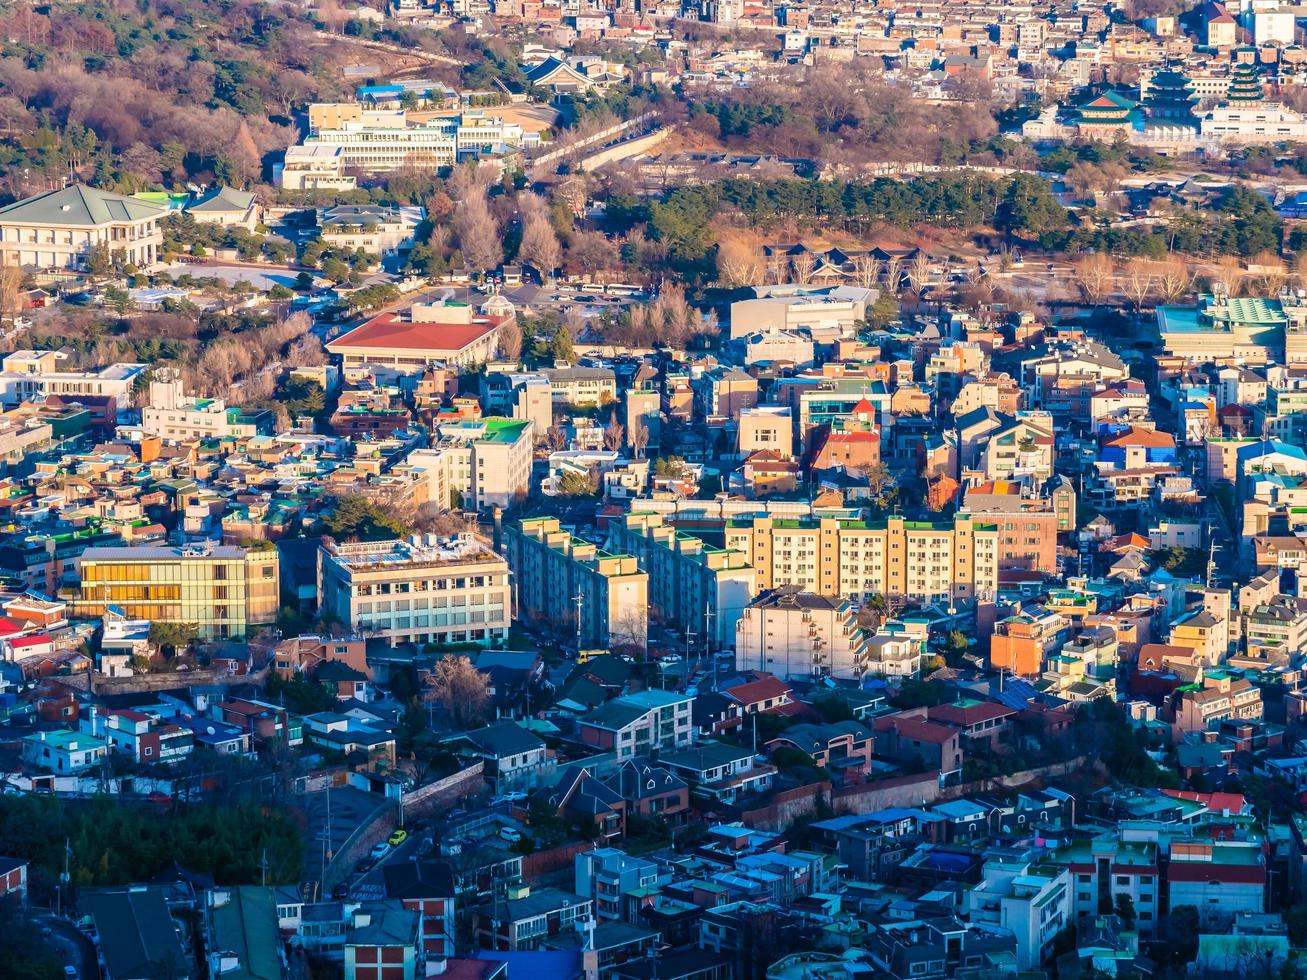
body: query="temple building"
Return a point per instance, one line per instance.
(1170, 102)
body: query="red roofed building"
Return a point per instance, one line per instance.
(978, 721)
(33, 645)
(765, 694)
(858, 450)
(435, 333)
(1219, 879)
(1227, 804)
(908, 737)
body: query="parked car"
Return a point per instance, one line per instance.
(398, 837)
(510, 834)
(379, 851)
(425, 847)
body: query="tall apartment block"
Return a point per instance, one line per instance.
(564, 580)
(698, 588)
(948, 562)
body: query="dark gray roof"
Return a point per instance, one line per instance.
(507, 738)
(137, 935)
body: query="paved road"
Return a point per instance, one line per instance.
(371, 885)
(260, 276)
(349, 807)
(73, 948)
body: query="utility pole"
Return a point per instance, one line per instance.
(579, 599)
(64, 879)
(708, 617)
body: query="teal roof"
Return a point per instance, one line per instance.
(78, 204)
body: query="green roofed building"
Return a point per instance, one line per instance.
(1105, 114)
(1170, 101)
(1245, 85)
(1250, 329)
(59, 229)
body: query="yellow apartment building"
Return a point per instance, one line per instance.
(935, 562)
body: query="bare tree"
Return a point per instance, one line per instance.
(509, 341)
(1174, 278)
(614, 433)
(1231, 271)
(555, 437)
(739, 260)
(1095, 275)
(803, 263)
(919, 272)
(639, 437)
(894, 274)
(1271, 272)
(574, 194)
(478, 235)
(1138, 283)
(540, 248)
(462, 690)
(11, 286)
(867, 270)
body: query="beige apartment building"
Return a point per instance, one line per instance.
(766, 427)
(58, 229)
(223, 591)
(936, 562)
(421, 589)
(479, 463)
(574, 585)
(692, 585)
(798, 635)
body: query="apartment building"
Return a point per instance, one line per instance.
(769, 427)
(799, 635)
(1027, 519)
(582, 385)
(313, 168)
(1033, 901)
(1103, 869)
(1277, 629)
(224, 591)
(950, 562)
(639, 724)
(63, 752)
(606, 874)
(573, 584)
(1202, 707)
(1023, 642)
(1220, 879)
(58, 229)
(31, 375)
(421, 589)
(700, 589)
(479, 463)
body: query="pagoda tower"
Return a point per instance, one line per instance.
(1170, 100)
(1245, 85)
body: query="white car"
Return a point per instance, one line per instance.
(379, 851)
(511, 835)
